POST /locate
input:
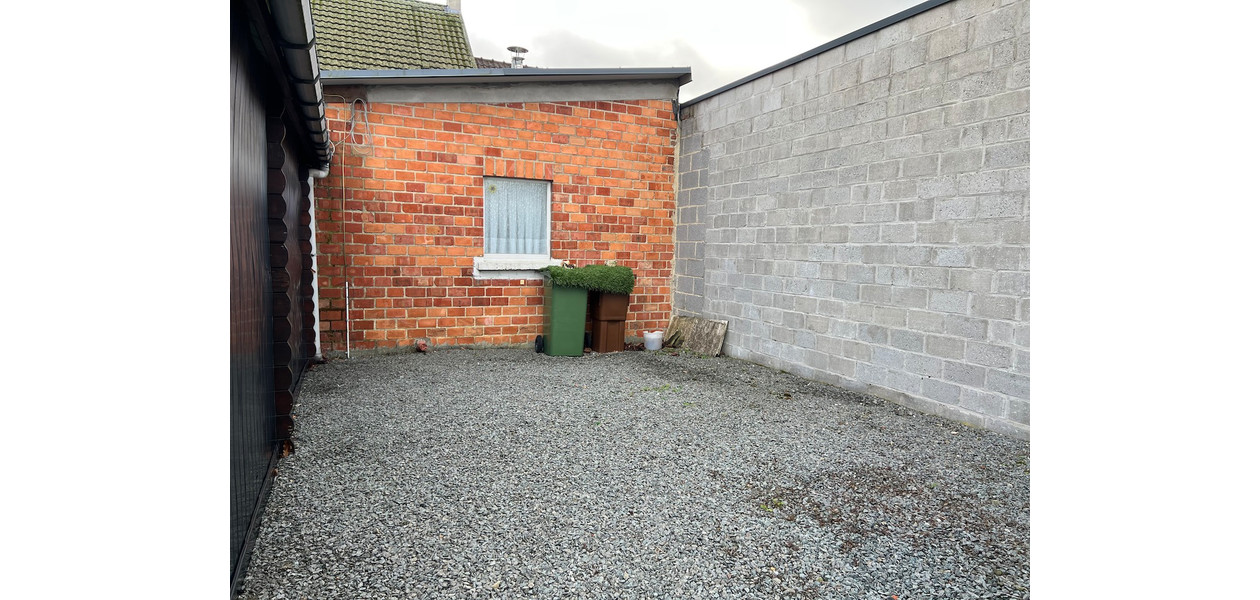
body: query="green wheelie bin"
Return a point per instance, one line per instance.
(564, 329)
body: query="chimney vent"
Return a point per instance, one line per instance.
(452, 6)
(518, 61)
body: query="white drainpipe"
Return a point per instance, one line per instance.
(315, 174)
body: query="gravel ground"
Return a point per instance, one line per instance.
(501, 473)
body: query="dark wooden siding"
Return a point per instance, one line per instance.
(253, 442)
(290, 270)
(271, 299)
(271, 286)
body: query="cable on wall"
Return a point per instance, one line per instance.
(361, 144)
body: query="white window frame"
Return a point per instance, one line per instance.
(513, 266)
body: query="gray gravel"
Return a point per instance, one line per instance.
(501, 473)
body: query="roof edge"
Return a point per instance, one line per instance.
(527, 74)
(840, 41)
(291, 33)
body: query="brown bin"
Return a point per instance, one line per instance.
(610, 307)
(608, 336)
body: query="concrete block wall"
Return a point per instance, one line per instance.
(689, 222)
(861, 217)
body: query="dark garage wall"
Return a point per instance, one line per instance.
(252, 404)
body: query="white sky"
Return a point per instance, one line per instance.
(721, 41)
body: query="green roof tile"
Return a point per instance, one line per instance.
(389, 34)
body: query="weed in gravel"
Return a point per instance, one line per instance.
(662, 388)
(773, 504)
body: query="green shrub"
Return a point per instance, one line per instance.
(596, 278)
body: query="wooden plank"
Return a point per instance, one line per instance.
(702, 336)
(707, 337)
(680, 327)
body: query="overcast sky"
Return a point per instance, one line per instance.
(720, 40)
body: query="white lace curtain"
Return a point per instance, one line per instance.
(515, 216)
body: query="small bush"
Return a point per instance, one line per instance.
(596, 278)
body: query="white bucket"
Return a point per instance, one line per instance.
(652, 340)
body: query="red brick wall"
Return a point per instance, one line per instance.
(402, 220)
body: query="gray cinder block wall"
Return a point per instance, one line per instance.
(861, 216)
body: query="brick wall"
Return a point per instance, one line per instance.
(400, 218)
(861, 217)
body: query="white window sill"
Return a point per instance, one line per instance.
(509, 266)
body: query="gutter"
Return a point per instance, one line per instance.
(840, 41)
(682, 75)
(296, 38)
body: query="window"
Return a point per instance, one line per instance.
(517, 216)
(516, 221)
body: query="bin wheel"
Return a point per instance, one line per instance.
(538, 344)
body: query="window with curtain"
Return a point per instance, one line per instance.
(517, 217)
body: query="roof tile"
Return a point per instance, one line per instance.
(389, 34)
